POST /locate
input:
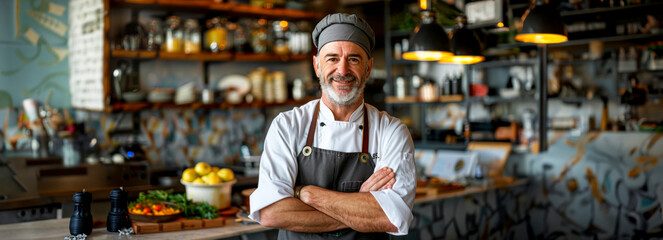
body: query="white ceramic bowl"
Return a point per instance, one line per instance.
(217, 195)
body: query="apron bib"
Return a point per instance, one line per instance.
(338, 171)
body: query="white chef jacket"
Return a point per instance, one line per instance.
(389, 143)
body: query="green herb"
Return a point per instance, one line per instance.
(189, 209)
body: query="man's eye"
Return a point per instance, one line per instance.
(331, 60)
(354, 60)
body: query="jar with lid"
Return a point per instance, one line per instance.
(192, 36)
(174, 35)
(280, 41)
(154, 35)
(215, 36)
(259, 38)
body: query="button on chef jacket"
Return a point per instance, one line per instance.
(390, 145)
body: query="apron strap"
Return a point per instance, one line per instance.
(314, 121)
(311, 129)
(364, 133)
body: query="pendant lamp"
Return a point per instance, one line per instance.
(429, 41)
(465, 45)
(542, 24)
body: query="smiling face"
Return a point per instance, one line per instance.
(342, 68)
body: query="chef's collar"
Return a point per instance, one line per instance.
(327, 114)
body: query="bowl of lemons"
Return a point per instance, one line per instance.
(213, 185)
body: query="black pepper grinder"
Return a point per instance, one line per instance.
(118, 217)
(81, 220)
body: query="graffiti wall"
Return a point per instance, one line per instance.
(596, 186)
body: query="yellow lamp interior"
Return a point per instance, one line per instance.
(462, 59)
(423, 4)
(426, 55)
(541, 38)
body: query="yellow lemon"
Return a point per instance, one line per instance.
(212, 178)
(199, 180)
(226, 174)
(215, 169)
(189, 175)
(202, 168)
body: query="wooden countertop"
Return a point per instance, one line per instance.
(467, 191)
(59, 228)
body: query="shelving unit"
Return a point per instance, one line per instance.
(198, 7)
(611, 41)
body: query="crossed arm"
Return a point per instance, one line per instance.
(322, 210)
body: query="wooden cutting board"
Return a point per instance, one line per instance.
(179, 224)
(185, 224)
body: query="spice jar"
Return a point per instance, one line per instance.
(259, 38)
(280, 29)
(215, 36)
(154, 35)
(174, 35)
(192, 38)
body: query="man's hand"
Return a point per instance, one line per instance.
(380, 180)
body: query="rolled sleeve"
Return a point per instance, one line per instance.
(398, 201)
(268, 192)
(278, 168)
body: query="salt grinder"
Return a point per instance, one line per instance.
(118, 217)
(81, 220)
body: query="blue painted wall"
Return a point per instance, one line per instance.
(36, 69)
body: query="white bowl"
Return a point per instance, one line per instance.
(217, 195)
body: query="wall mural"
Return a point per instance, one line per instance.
(36, 40)
(596, 186)
(39, 42)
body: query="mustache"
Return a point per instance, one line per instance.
(339, 77)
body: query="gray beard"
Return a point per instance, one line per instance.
(346, 100)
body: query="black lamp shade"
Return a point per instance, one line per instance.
(429, 43)
(465, 42)
(543, 24)
(465, 47)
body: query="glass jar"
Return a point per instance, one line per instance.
(154, 35)
(192, 36)
(259, 38)
(174, 35)
(216, 36)
(280, 41)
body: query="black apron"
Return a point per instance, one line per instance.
(333, 170)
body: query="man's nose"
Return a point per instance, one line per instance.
(342, 68)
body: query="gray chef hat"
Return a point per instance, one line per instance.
(344, 27)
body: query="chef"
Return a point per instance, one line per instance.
(337, 168)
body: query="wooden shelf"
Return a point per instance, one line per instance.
(209, 56)
(415, 99)
(202, 56)
(140, 54)
(216, 5)
(138, 106)
(265, 57)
